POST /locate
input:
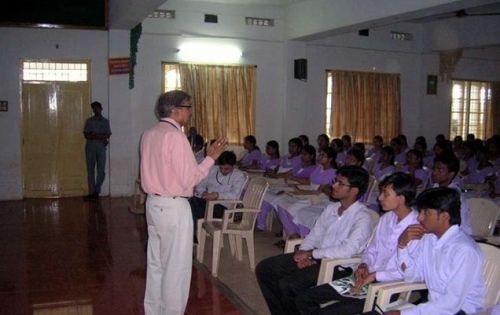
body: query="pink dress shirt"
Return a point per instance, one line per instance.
(168, 165)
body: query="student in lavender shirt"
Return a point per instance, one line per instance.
(323, 141)
(444, 173)
(346, 142)
(414, 167)
(446, 259)
(271, 161)
(321, 179)
(304, 139)
(377, 144)
(253, 156)
(399, 153)
(293, 160)
(385, 165)
(483, 170)
(428, 156)
(469, 158)
(308, 166)
(338, 146)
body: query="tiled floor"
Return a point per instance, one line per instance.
(67, 256)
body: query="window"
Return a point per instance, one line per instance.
(470, 101)
(329, 88)
(171, 77)
(55, 71)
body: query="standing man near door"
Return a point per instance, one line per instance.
(97, 133)
(169, 173)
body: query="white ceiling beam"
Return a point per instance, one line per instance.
(125, 14)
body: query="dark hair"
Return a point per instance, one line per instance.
(324, 137)
(198, 140)
(310, 150)
(347, 138)
(446, 146)
(273, 144)
(338, 143)
(331, 154)
(421, 140)
(358, 155)
(297, 142)
(227, 157)
(169, 100)
(450, 160)
(440, 137)
(357, 176)
(396, 141)
(443, 199)
(359, 146)
(96, 104)
(250, 139)
(378, 137)
(418, 154)
(390, 151)
(402, 184)
(304, 139)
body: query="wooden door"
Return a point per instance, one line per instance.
(54, 113)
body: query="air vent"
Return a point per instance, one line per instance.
(259, 21)
(162, 14)
(211, 18)
(401, 36)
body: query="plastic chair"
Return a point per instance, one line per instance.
(491, 274)
(235, 229)
(484, 215)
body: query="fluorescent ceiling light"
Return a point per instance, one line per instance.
(214, 53)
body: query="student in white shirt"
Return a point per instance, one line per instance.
(446, 259)
(223, 182)
(444, 172)
(341, 231)
(397, 191)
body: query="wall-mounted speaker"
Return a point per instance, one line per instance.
(300, 69)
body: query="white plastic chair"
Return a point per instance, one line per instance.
(236, 230)
(491, 274)
(483, 215)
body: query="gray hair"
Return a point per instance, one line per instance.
(169, 100)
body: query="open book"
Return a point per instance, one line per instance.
(344, 285)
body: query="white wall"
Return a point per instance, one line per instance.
(30, 43)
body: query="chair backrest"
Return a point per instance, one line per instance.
(244, 186)
(491, 274)
(372, 191)
(254, 193)
(483, 215)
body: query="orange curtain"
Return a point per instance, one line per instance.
(365, 105)
(223, 99)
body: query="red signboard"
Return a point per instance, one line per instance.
(119, 65)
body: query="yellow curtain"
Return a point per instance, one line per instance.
(223, 99)
(493, 112)
(365, 105)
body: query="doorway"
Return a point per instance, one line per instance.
(55, 104)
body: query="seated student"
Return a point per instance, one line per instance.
(428, 156)
(223, 182)
(253, 156)
(469, 157)
(414, 167)
(338, 146)
(377, 144)
(483, 168)
(443, 175)
(355, 157)
(385, 165)
(341, 231)
(378, 260)
(271, 161)
(323, 141)
(293, 160)
(404, 142)
(399, 152)
(198, 148)
(302, 174)
(446, 259)
(346, 143)
(304, 139)
(321, 179)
